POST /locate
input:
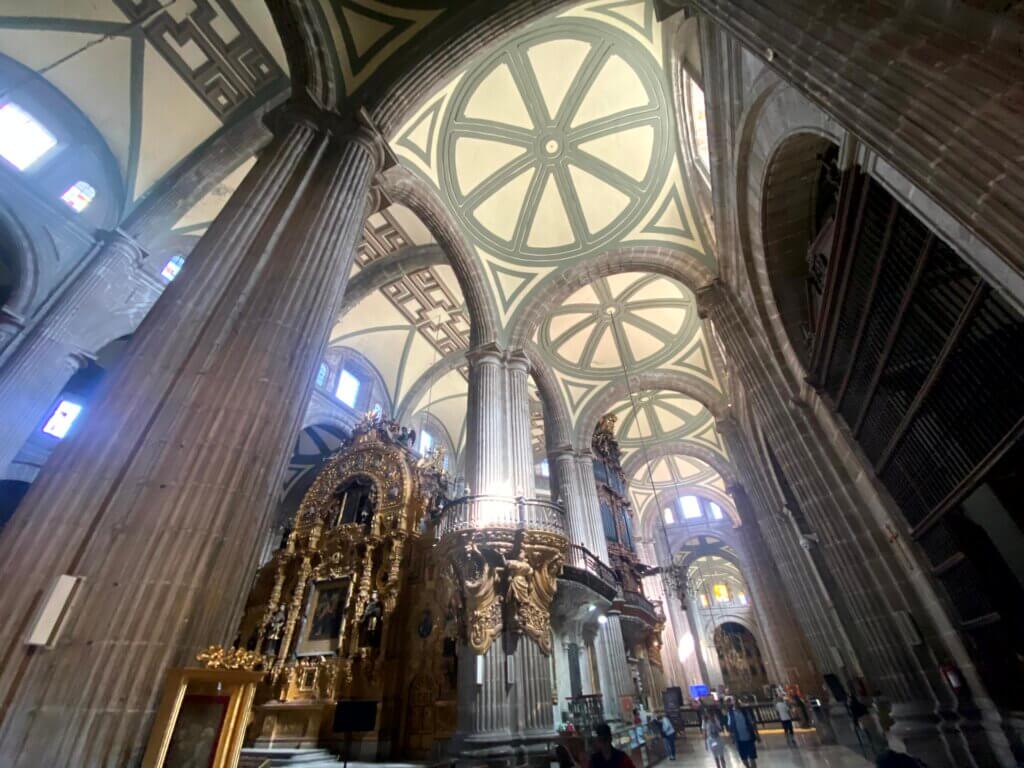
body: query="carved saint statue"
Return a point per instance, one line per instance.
(370, 626)
(275, 626)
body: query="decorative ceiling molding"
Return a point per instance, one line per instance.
(367, 33)
(127, 64)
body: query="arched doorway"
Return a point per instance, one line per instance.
(739, 657)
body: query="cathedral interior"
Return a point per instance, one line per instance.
(427, 382)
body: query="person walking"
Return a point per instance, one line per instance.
(668, 733)
(713, 743)
(786, 717)
(744, 732)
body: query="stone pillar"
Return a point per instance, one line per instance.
(861, 581)
(487, 449)
(505, 690)
(656, 589)
(83, 318)
(11, 324)
(790, 655)
(520, 440)
(160, 500)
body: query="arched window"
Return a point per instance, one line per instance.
(690, 506)
(698, 124)
(348, 388)
(667, 514)
(23, 139)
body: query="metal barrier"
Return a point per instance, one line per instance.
(485, 512)
(583, 559)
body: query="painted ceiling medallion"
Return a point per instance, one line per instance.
(556, 144)
(653, 316)
(659, 415)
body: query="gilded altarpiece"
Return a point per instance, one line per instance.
(355, 622)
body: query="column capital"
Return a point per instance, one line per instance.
(708, 297)
(517, 360)
(489, 353)
(121, 243)
(357, 127)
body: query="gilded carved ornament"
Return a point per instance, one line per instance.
(218, 657)
(506, 582)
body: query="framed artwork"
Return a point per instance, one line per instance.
(325, 617)
(201, 719)
(194, 738)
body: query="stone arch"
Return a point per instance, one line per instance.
(448, 363)
(650, 514)
(708, 455)
(776, 114)
(679, 265)
(557, 421)
(794, 208)
(18, 257)
(673, 381)
(400, 185)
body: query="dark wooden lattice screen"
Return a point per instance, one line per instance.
(924, 361)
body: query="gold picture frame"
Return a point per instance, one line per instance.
(202, 717)
(325, 617)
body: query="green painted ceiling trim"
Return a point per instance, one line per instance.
(605, 42)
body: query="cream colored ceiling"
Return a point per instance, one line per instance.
(409, 325)
(551, 149)
(557, 146)
(152, 98)
(669, 475)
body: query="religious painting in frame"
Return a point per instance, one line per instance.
(325, 617)
(196, 732)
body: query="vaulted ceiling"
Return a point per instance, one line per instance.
(559, 146)
(131, 65)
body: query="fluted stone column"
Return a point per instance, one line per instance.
(654, 588)
(864, 588)
(38, 368)
(160, 499)
(520, 439)
(790, 654)
(11, 325)
(504, 713)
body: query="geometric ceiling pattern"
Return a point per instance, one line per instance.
(129, 64)
(670, 476)
(558, 145)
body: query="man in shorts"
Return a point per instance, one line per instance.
(744, 732)
(782, 707)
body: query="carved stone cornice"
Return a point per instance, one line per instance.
(708, 297)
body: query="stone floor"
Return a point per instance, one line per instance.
(772, 753)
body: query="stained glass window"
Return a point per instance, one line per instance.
(23, 139)
(78, 196)
(545, 468)
(426, 442)
(172, 267)
(721, 592)
(321, 375)
(348, 389)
